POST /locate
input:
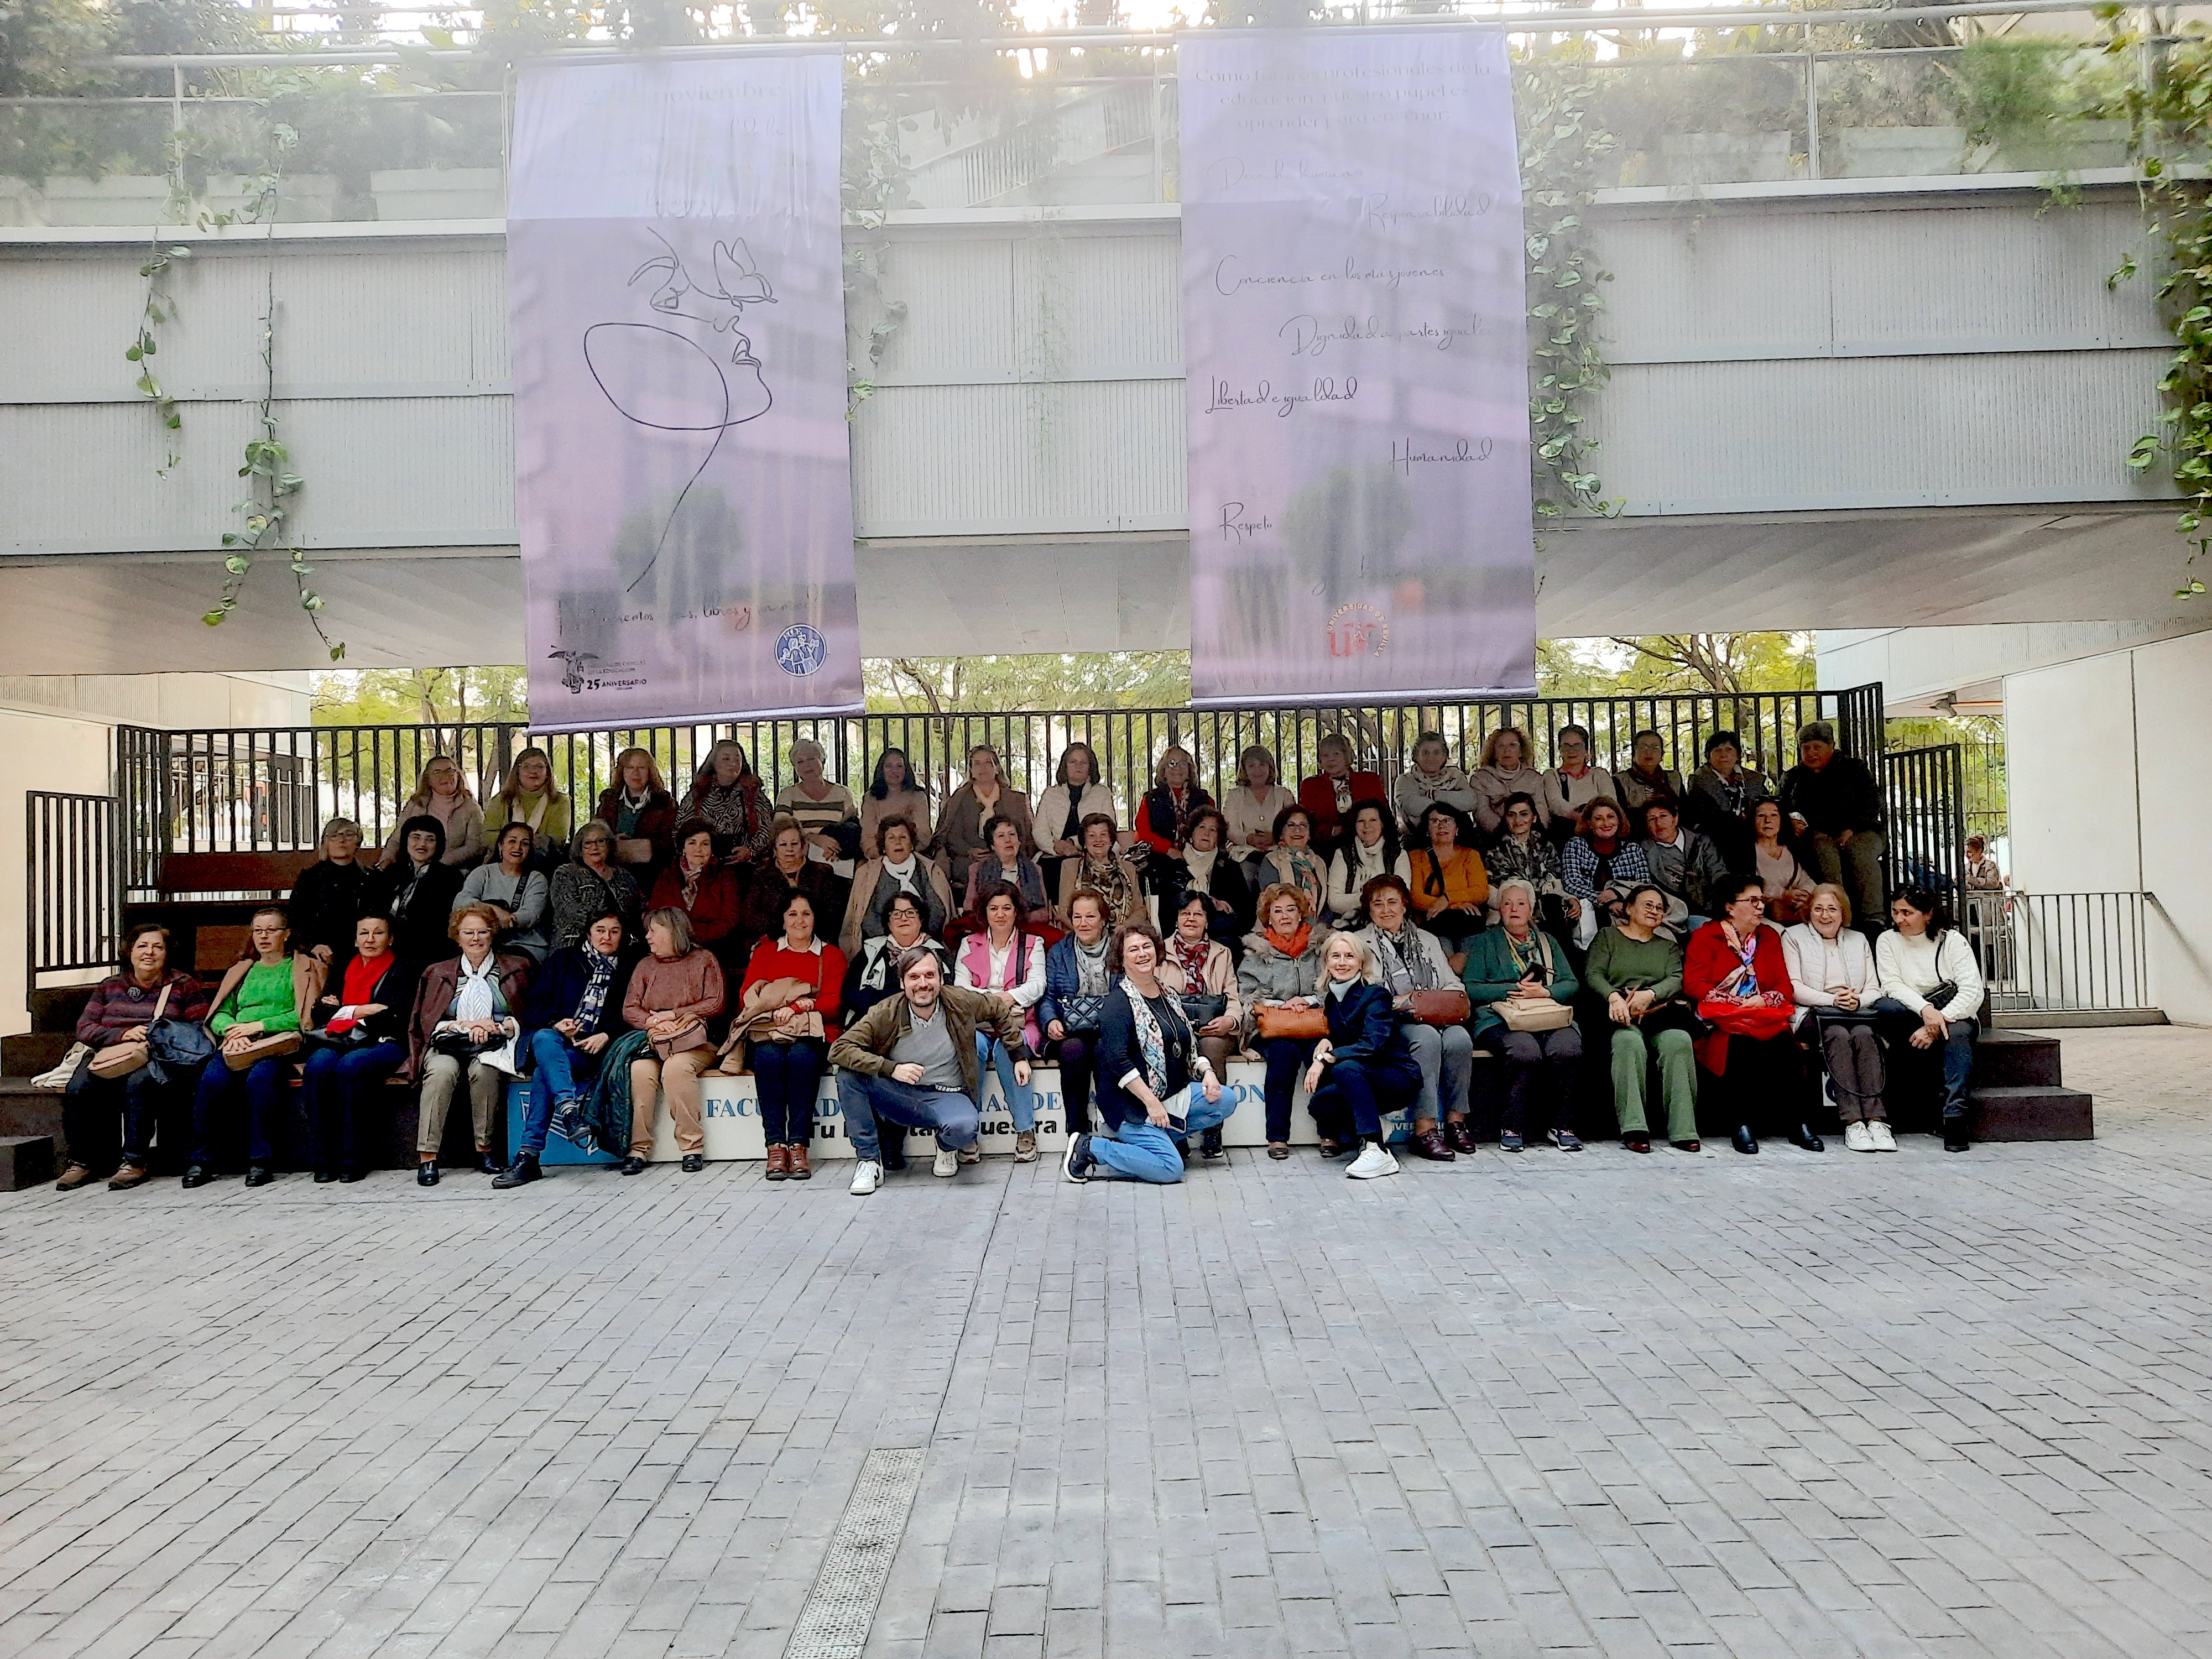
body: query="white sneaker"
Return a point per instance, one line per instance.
(867, 1177)
(1374, 1160)
(947, 1164)
(1883, 1141)
(1856, 1140)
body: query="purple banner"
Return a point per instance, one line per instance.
(1355, 349)
(675, 268)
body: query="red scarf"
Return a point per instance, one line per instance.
(358, 987)
(1190, 956)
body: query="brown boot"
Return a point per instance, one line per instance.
(795, 1164)
(130, 1176)
(74, 1176)
(778, 1168)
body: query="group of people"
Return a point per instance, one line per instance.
(1364, 941)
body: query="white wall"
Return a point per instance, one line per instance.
(2109, 787)
(37, 751)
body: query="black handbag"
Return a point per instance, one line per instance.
(459, 1045)
(1201, 1007)
(1081, 1014)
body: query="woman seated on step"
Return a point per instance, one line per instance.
(1833, 981)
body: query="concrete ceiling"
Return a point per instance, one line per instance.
(129, 613)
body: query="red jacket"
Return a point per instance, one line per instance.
(713, 910)
(1710, 960)
(1318, 796)
(825, 968)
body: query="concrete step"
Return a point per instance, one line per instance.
(2029, 1112)
(2017, 1059)
(57, 1009)
(27, 1112)
(25, 1161)
(33, 1052)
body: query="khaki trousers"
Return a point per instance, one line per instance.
(441, 1073)
(679, 1076)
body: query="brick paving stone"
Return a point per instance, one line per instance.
(1716, 1406)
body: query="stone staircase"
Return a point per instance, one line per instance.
(2018, 1093)
(31, 1119)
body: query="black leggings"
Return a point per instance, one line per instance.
(1075, 1051)
(1761, 1072)
(1286, 1057)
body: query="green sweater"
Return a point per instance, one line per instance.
(1618, 962)
(1491, 973)
(265, 994)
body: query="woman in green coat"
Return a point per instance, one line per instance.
(1522, 990)
(1637, 969)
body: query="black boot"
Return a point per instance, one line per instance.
(1209, 1143)
(1954, 1132)
(1802, 1135)
(1743, 1139)
(520, 1173)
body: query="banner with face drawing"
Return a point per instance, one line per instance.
(675, 273)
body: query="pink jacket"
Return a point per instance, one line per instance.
(975, 957)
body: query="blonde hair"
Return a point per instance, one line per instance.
(652, 778)
(1489, 744)
(1244, 765)
(509, 791)
(1190, 764)
(1371, 971)
(1841, 899)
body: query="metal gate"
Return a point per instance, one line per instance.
(73, 875)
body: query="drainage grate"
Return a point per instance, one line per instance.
(834, 1624)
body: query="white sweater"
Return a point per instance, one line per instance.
(1910, 968)
(1818, 968)
(1349, 872)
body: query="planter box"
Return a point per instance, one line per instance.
(1895, 153)
(1722, 158)
(306, 198)
(119, 200)
(21, 203)
(440, 193)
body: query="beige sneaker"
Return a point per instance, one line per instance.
(1856, 1140)
(74, 1176)
(947, 1164)
(1878, 1132)
(1025, 1147)
(972, 1154)
(130, 1176)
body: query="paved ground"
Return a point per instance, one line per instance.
(1717, 1405)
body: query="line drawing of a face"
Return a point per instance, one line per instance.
(666, 379)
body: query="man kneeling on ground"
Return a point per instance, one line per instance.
(912, 1059)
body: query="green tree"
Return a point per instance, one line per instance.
(1724, 663)
(420, 696)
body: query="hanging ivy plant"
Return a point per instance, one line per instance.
(2169, 108)
(1565, 153)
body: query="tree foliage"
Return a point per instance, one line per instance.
(1726, 664)
(420, 696)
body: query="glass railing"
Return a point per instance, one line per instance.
(355, 143)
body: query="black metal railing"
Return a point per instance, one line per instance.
(73, 876)
(1924, 795)
(269, 788)
(2061, 952)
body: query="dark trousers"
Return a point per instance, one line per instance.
(786, 1074)
(259, 1089)
(1075, 1053)
(1454, 927)
(1909, 1067)
(1286, 1057)
(94, 1109)
(1759, 1070)
(338, 1087)
(1537, 1062)
(1355, 1093)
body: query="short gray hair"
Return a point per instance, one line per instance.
(1817, 732)
(1512, 882)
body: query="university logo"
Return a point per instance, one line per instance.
(1358, 631)
(801, 649)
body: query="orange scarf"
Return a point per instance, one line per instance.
(1294, 946)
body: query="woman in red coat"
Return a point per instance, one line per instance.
(1735, 974)
(704, 888)
(1330, 793)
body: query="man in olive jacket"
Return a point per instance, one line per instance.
(913, 1058)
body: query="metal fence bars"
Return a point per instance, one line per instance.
(2061, 953)
(1923, 801)
(269, 789)
(73, 883)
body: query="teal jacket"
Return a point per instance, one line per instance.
(1490, 976)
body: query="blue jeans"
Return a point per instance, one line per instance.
(262, 1084)
(93, 1107)
(338, 1087)
(863, 1099)
(787, 1075)
(1021, 1099)
(1898, 1024)
(1139, 1152)
(555, 1076)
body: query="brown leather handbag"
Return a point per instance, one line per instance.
(1443, 1008)
(1296, 1024)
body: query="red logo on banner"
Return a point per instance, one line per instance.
(1358, 631)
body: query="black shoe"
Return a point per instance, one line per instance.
(486, 1164)
(197, 1174)
(259, 1175)
(323, 1177)
(1209, 1144)
(1742, 1139)
(1802, 1135)
(521, 1173)
(352, 1176)
(1954, 1140)
(426, 1174)
(633, 1164)
(694, 1162)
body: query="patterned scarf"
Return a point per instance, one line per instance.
(1302, 870)
(1529, 956)
(1405, 963)
(1152, 1040)
(600, 979)
(1090, 966)
(1109, 878)
(1746, 982)
(1190, 955)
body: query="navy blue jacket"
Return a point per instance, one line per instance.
(1061, 980)
(1363, 1025)
(558, 986)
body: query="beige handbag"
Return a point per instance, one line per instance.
(1546, 1015)
(121, 1059)
(277, 1045)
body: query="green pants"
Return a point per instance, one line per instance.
(1678, 1079)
